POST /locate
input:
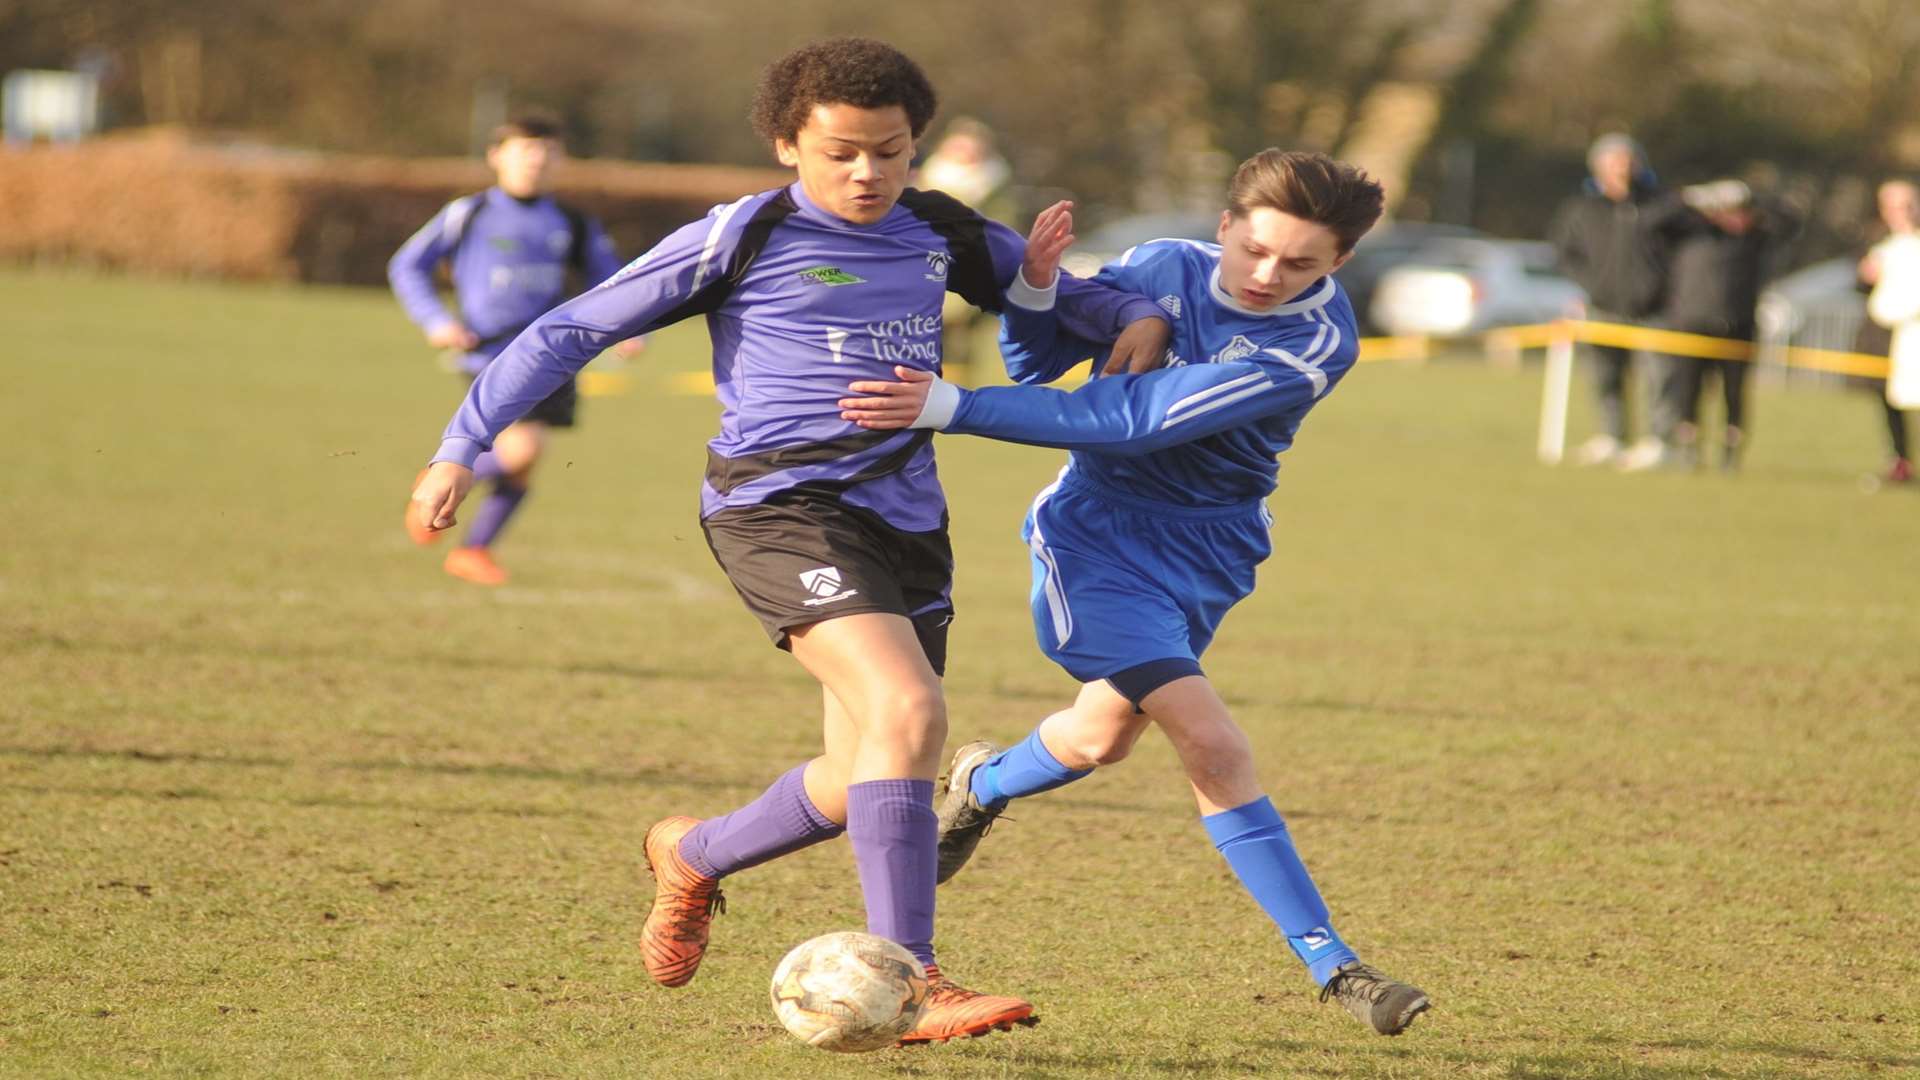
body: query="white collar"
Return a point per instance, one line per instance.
(1308, 300)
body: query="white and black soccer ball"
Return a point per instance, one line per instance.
(849, 992)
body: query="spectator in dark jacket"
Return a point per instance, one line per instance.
(1722, 243)
(1899, 202)
(1607, 243)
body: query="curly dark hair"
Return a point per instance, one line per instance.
(861, 72)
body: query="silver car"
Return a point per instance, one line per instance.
(1459, 286)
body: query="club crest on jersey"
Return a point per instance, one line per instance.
(829, 276)
(1237, 349)
(1171, 303)
(824, 585)
(937, 263)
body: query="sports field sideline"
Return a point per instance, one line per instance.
(1622, 770)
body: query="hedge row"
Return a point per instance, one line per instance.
(163, 202)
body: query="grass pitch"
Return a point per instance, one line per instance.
(1621, 769)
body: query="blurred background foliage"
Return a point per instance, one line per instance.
(1474, 111)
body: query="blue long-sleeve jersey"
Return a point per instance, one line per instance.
(798, 303)
(509, 259)
(1207, 429)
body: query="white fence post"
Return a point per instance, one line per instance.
(1554, 392)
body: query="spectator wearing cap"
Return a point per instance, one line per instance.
(1721, 243)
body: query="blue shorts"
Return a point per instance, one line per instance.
(1131, 590)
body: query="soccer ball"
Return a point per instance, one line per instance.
(849, 992)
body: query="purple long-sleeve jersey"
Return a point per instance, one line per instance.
(799, 303)
(509, 259)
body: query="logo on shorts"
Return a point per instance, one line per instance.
(1171, 303)
(937, 262)
(824, 584)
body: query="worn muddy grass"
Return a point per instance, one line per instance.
(1621, 769)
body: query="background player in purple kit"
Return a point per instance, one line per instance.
(511, 250)
(834, 536)
(1154, 529)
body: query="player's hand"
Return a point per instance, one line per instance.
(1142, 346)
(1051, 236)
(891, 405)
(439, 492)
(452, 336)
(631, 347)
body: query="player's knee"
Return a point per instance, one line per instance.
(1106, 746)
(1213, 749)
(912, 718)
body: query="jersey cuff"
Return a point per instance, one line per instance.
(943, 400)
(1024, 295)
(458, 449)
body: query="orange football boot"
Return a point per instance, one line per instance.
(674, 939)
(953, 1011)
(474, 564)
(417, 532)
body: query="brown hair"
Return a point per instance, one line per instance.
(527, 125)
(1313, 187)
(861, 72)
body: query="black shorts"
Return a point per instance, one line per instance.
(556, 409)
(807, 556)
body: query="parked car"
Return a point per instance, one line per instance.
(1386, 247)
(1815, 306)
(1460, 285)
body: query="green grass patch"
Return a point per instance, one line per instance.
(1620, 768)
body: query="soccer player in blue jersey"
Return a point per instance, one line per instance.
(1155, 526)
(834, 536)
(511, 250)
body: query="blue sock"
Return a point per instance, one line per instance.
(1256, 844)
(1026, 769)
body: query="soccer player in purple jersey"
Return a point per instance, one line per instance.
(834, 536)
(1154, 528)
(511, 250)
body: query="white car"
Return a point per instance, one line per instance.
(1458, 286)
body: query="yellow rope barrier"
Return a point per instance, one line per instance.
(1418, 348)
(1673, 342)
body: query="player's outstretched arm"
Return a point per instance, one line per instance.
(1124, 414)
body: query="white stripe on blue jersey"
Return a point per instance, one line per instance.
(1203, 431)
(713, 240)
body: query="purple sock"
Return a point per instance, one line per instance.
(896, 837)
(781, 821)
(494, 511)
(487, 467)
